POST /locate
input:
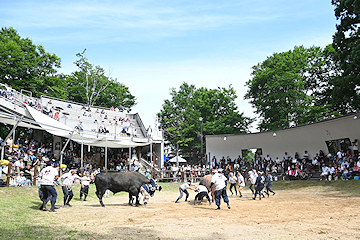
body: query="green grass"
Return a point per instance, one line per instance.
(348, 187)
(20, 217)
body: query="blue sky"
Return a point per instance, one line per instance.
(152, 46)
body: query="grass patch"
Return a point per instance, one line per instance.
(349, 187)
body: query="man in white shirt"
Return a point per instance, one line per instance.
(183, 189)
(241, 182)
(48, 175)
(202, 192)
(220, 183)
(85, 185)
(252, 178)
(68, 179)
(325, 172)
(232, 181)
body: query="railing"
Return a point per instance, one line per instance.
(141, 124)
(180, 176)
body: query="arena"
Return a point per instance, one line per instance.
(299, 210)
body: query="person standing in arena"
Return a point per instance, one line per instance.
(183, 189)
(220, 183)
(85, 185)
(259, 185)
(68, 179)
(48, 175)
(269, 180)
(241, 182)
(232, 181)
(202, 192)
(252, 178)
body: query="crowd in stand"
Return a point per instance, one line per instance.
(344, 165)
(26, 154)
(101, 118)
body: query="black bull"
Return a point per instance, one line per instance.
(120, 182)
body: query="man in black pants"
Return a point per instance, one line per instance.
(68, 179)
(48, 175)
(259, 185)
(202, 192)
(183, 189)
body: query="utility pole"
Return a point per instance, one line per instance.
(201, 139)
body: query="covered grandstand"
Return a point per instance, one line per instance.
(87, 125)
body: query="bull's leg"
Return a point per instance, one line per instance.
(134, 192)
(100, 195)
(213, 194)
(130, 199)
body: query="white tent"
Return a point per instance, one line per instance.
(174, 160)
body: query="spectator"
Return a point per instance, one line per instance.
(325, 172)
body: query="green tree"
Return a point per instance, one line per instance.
(179, 117)
(90, 85)
(290, 88)
(346, 42)
(24, 65)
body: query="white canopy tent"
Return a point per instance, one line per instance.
(174, 160)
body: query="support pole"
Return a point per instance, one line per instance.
(7, 137)
(153, 169)
(106, 154)
(82, 149)
(8, 175)
(35, 173)
(130, 144)
(63, 149)
(209, 164)
(151, 155)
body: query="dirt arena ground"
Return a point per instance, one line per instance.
(310, 213)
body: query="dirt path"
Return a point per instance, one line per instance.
(313, 213)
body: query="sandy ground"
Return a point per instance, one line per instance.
(311, 213)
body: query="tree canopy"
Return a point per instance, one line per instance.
(24, 65)
(346, 42)
(90, 85)
(179, 116)
(291, 88)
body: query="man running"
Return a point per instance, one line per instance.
(68, 179)
(252, 178)
(269, 180)
(220, 182)
(85, 185)
(232, 181)
(259, 185)
(183, 189)
(47, 185)
(241, 182)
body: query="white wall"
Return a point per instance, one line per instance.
(310, 137)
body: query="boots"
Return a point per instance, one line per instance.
(195, 202)
(52, 209)
(43, 207)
